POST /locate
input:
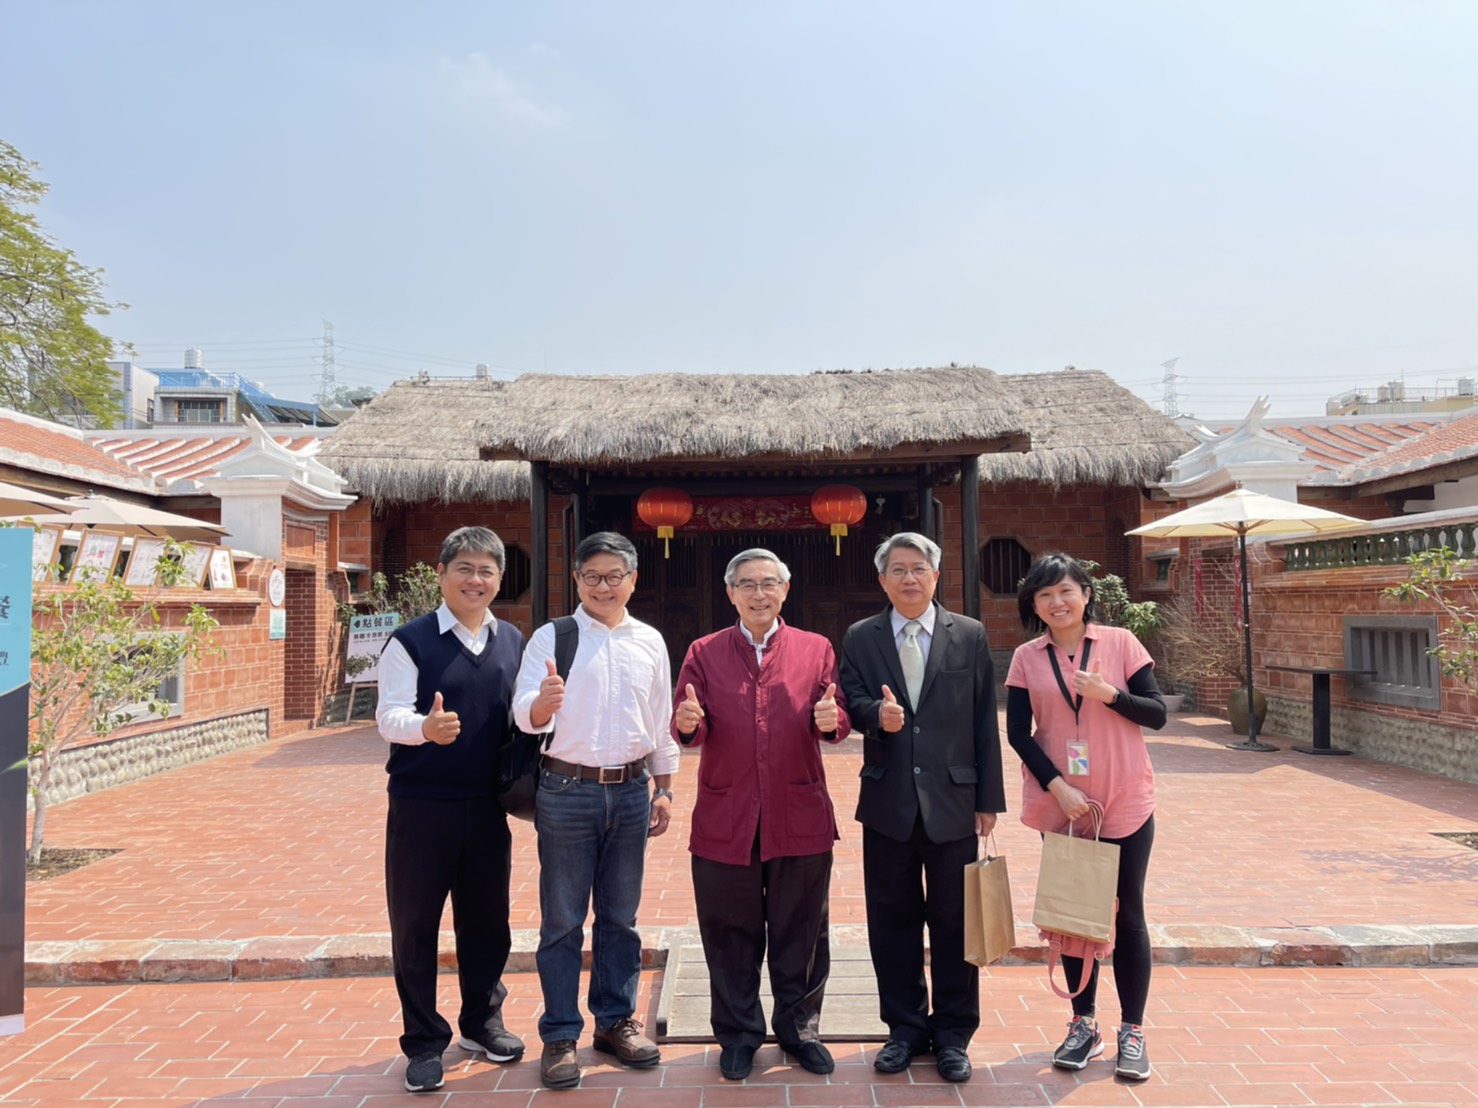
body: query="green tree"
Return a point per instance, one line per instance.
(99, 654)
(52, 359)
(1439, 576)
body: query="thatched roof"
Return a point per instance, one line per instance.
(426, 440)
(415, 442)
(1085, 428)
(814, 416)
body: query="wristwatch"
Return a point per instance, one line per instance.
(659, 792)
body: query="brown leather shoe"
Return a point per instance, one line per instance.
(559, 1068)
(625, 1040)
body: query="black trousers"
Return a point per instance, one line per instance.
(435, 849)
(741, 909)
(909, 885)
(1132, 957)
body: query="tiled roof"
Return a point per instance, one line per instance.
(181, 456)
(1337, 445)
(50, 448)
(1453, 441)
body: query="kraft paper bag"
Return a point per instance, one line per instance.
(990, 924)
(1077, 886)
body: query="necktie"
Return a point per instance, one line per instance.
(911, 657)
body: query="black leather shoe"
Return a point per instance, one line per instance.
(953, 1064)
(735, 1062)
(894, 1057)
(811, 1054)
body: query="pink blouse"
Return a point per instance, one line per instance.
(1098, 751)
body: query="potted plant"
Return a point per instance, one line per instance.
(1208, 644)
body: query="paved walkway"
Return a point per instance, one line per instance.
(281, 845)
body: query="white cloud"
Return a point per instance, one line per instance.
(476, 81)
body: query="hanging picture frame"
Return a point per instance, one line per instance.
(46, 544)
(143, 564)
(97, 554)
(196, 564)
(222, 574)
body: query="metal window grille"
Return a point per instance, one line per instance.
(1396, 648)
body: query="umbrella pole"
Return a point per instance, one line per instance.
(1252, 742)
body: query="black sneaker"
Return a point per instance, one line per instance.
(1082, 1043)
(424, 1074)
(499, 1045)
(1133, 1062)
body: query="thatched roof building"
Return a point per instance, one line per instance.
(712, 417)
(1085, 428)
(416, 442)
(461, 440)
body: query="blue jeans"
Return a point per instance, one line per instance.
(592, 839)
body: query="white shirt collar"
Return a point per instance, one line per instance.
(445, 621)
(926, 621)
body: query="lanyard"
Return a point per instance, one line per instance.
(1067, 695)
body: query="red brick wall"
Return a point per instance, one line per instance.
(1297, 620)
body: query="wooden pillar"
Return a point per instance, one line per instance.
(539, 540)
(970, 532)
(926, 504)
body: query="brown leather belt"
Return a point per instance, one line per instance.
(606, 775)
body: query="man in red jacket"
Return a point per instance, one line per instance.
(759, 698)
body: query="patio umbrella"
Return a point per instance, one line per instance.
(120, 516)
(1242, 513)
(18, 501)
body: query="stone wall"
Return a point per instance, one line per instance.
(1404, 739)
(100, 765)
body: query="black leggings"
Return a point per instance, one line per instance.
(1131, 935)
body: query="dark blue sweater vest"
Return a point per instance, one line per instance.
(479, 688)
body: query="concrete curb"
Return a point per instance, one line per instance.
(124, 961)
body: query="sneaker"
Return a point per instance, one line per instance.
(1132, 1062)
(499, 1045)
(625, 1040)
(1083, 1042)
(424, 1074)
(559, 1067)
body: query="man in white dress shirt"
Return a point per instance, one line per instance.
(594, 813)
(446, 688)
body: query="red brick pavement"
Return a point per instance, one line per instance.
(1216, 1037)
(285, 840)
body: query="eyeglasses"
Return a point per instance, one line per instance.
(466, 572)
(899, 573)
(769, 586)
(610, 580)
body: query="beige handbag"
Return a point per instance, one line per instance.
(990, 924)
(1077, 884)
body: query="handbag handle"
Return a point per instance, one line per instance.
(1095, 809)
(989, 843)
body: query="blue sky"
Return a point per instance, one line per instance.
(1284, 195)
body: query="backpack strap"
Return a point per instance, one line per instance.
(566, 642)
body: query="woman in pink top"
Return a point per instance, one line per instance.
(1089, 689)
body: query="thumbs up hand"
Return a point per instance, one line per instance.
(551, 693)
(890, 712)
(1090, 683)
(440, 726)
(825, 712)
(689, 712)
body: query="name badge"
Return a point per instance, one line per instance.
(1077, 758)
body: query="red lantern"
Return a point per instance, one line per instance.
(838, 505)
(666, 510)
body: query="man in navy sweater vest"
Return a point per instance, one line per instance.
(446, 687)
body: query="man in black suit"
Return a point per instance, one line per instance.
(920, 685)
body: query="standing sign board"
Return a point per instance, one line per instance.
(15, 715)
(367, 637)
